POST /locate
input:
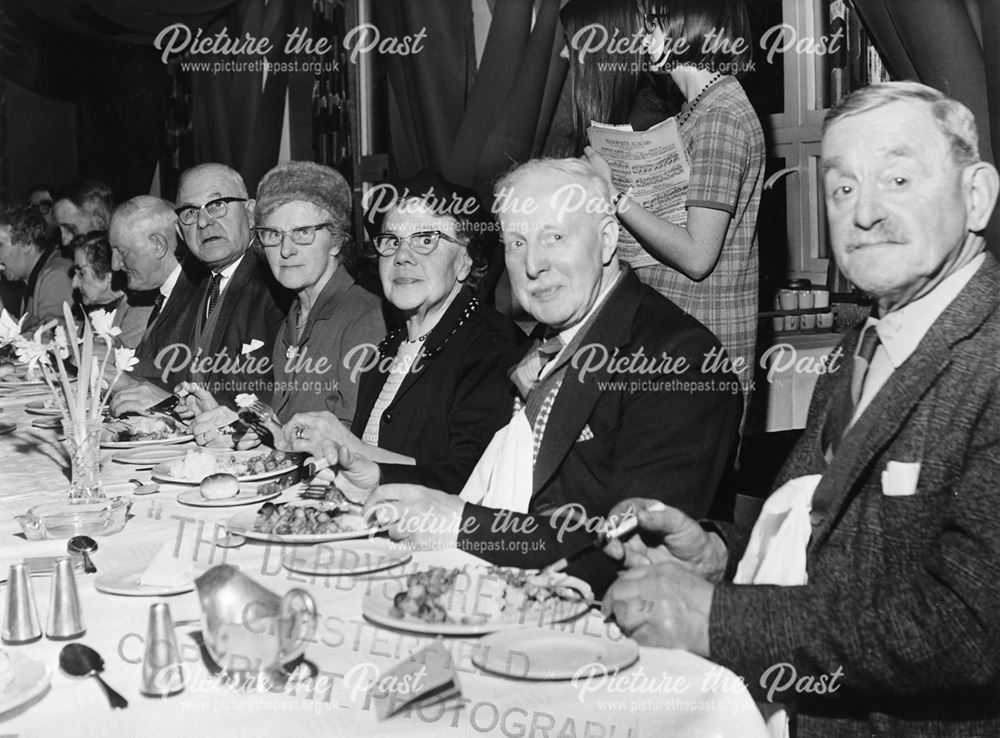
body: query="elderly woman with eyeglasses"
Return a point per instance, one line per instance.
(302, 220)
(432, 399)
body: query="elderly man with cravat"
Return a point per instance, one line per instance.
(595, 422)
(866, 596)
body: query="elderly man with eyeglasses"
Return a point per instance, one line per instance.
(239, 308)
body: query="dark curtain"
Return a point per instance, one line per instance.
(952, 46)
(470, 124)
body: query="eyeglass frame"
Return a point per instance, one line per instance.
(407, 239)
(314, 229)
(197, 210)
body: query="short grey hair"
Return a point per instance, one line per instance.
(232, 174)
(955, 121)
(579, 170)
(147, 215)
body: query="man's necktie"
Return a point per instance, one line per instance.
(839, 419)
(157, 307)
(213, 293)
(525, 375)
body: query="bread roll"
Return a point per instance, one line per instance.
(219, 487)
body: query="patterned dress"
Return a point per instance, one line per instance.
(725, 145)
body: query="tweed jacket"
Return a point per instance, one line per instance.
(346, 316)
(618, 432)
(903, 596)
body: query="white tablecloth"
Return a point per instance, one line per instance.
(667, 693)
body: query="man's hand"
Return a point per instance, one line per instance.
(211, 428)
(136, 398)
(666, 535)
(309, 431)
(665, 605)
(424, 519)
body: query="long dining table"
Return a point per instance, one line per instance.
(665, 693)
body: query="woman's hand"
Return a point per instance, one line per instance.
(309, 432)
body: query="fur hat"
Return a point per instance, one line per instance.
(304, 181)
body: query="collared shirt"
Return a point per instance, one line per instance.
(170, 282)
(227, 274)
(901, 331)
(568, 334)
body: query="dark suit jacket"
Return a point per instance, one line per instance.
(445, 415)
(904, 591)
(253, 307)
(49, 286)
(172, 326)
(668, 437)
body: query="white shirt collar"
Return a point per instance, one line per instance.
(568, 334)
(170, 282)
(901, 331)
(228, 271)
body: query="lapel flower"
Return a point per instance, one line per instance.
(251, 347)
(244, 400)
(125, 360)
(10, 329)
(101, 322)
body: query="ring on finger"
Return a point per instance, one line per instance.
(299, 431)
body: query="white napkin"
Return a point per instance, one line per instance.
(502, 476)
(171, 567)
(776, 553)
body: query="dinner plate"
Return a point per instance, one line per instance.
(356, 557)
(242, 523)
(150, 455)
(20, 384)
(48, 423)
(246, 496)
(378, 607)
(30, 678)
(549, 654)
(161, 472)
(150, 442)
(125, 581)
(40, 407)
(6, 428)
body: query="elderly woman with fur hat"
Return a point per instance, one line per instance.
(302, 221)
(432, 399)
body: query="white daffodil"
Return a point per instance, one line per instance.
(31, 352)
(10, 329)
(100, 321)
(125, 360)
(61, 342)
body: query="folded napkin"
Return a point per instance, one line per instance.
(776, 553)
(501, 478)
(426, 677)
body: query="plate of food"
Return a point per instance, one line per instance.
(150, 455)
(43, 407)
(313, 523)
(143, 430)
(246, 466)
(546, 654)
(476, 601)
(223, 490)
(346, 559)
(22, 679)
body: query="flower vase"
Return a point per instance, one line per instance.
(85, 460)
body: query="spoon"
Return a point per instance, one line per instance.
(79, 660)
(141, 488)
(84, 545)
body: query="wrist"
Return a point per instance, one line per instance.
(718, 558)
(617, 202)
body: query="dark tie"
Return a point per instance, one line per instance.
(213, 293)
(839, 419)
(525, 375)
(157, 307)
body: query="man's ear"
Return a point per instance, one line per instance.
(101, 219)
(251, 204)
(981, 183)
(609, 239)
(160, 245)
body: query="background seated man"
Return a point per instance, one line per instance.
(82, 207)
(599, 414)
(884, 540)
(29, 253)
